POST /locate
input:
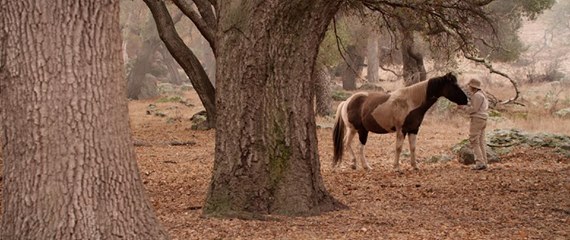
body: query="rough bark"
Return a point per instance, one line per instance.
(354, 66)
(322, 83)
(413, 60)
(372, 57)
(266, 145)
(69, 165)
(185, 57)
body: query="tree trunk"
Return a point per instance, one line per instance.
(413, 60)
(266, 144)
(142, 65)
(69, 165)
(185, 57)
(354, 66)
(322, 83)
(372, 56)
(172, 65)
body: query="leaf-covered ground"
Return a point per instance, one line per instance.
(526, 195)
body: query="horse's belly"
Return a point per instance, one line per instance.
(387, 119)
(372, 125)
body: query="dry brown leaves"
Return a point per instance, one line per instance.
(526, 195)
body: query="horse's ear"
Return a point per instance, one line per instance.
(452, 75)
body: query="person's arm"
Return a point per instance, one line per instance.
(476, 102)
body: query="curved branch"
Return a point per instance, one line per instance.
(390, 70)
(185, 57)
(205, 29)
(489, 66)
(207, 12)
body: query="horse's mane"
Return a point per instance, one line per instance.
(437, 83)
(420, 90)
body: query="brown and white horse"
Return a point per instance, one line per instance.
(401, 111)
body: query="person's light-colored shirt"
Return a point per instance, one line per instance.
(479, 106)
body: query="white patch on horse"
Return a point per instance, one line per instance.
(394, 111)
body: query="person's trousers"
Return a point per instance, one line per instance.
(477, 139)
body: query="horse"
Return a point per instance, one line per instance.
(401, 111)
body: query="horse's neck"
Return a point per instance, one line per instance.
(416, 93)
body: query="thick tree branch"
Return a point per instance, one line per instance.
(207, 12)
(184, 56)
(206, 30)
(489, 66)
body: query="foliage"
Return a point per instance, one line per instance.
(551, 73)
(169, 99)
(340, 95)
(508, 16)
(329, 49)
(484, 28)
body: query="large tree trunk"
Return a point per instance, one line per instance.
(413, 60)
(266, 145)
(354, 66)
(185, 57)
(136, 81)
(69, 165)
(322, 83)
(372, 57)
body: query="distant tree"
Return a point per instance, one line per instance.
(372, 56)
(139, 86)
(508, 15)
(556, 32)
(69, 169)
(413, 68)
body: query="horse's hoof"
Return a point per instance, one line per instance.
(353, 167)
(415, 168)
(368, 168)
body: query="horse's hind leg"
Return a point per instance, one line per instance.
(363, 137)
(399, 142)
(348, 140)
(412, 141)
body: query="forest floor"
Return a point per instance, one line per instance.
(524, 196)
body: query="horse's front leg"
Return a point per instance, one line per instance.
(412, 141)
(399, 142)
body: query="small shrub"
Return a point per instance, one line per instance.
(551, 74)
(340, 95)
(170, 99)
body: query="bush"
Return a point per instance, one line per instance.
(551, 74)
(169, 99)
(340, 95)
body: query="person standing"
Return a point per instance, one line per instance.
(478, 112)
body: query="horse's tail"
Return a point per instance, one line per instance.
(338, 135)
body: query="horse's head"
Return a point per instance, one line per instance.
(448, 87)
